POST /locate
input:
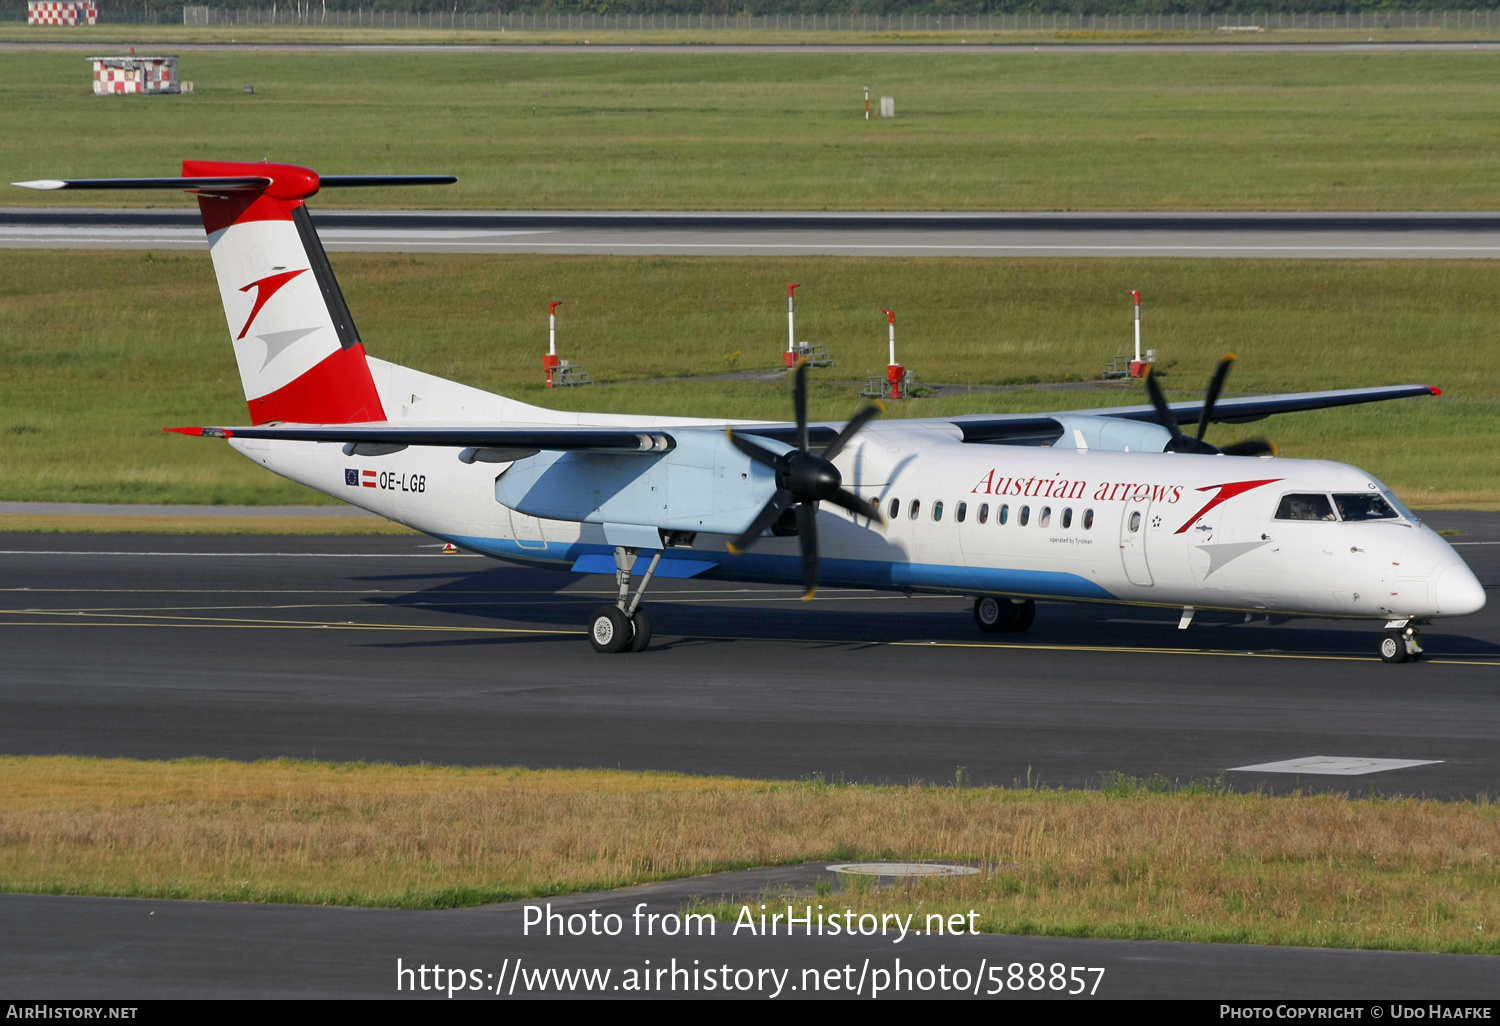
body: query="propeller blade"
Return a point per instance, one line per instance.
(854, 504)
(807, 534)
(851, 429)
(1215, 386)
(799, 401)
(765, 518)
(1252, 447)
(1163, 413)
(755, 452)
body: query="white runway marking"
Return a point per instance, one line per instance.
(1334, 765)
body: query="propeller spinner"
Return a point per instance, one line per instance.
(1196, 444)
(804, 479)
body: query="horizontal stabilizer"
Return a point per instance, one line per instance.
(234, 184)
(372, 181)
(192, 184)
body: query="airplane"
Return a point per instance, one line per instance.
(1112, 505)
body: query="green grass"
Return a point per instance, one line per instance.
(136, 342)
(1053, 130)
(1129, 860)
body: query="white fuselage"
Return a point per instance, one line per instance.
(974, 519)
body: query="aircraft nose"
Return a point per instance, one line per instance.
(1459, 592)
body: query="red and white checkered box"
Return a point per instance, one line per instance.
(66, 12)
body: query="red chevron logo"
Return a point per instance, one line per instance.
(1226, 492)
(265, 289)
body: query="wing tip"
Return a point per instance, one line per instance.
(43, 184)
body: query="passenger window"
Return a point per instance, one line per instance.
(1003, 516)
(1067, 519)
(937, 510)
(1135, 522)
(916, 507)
(1088, 520)
(1308, 506)
(984, 512)
(895, 509)
(961, 512)
(1046, 519)
(1025, 516)
(1363, 506)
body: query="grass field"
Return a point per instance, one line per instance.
(1128, 861)
(1045, 130)
(421, 35)
(137, 342)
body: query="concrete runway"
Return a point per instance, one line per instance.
(380, 648)
(1398, 235)
(730, 47)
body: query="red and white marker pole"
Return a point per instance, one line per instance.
(894, 372)
(1137, 365)
(550, 361)
(867, 103)
(791, 324)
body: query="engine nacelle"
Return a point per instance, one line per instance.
(704, 484)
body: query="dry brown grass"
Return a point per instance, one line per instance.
(132, 523)
(1127, 862)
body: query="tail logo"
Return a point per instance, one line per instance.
(265, 288)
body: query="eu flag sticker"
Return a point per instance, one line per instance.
(351, 477)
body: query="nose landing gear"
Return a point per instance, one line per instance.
(1401, 642)
(624, 626)
(996, 615)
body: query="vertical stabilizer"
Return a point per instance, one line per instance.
(299, 353)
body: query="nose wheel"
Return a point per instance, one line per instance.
(1001, 615)
(624, 626)
(1401, 645)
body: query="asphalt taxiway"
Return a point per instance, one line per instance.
(123, 949)
(382, 648)
(1321, 235)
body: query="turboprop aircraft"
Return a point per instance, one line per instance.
(1113, 505)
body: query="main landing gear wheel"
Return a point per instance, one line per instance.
(1400, 646)
(640, 631)
(994, 615)
(997, 615)
(609, 630)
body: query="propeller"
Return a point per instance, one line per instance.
(1196, 444)
(804, 479)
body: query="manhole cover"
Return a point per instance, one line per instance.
(903, 869)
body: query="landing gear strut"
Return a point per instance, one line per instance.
(1401, 644)
(624, 626)
(994, 615)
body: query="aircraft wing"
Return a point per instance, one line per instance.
(1014, 428)
(1258, 407)
(618, 440)
(565, 439)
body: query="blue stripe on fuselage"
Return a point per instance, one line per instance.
(835, 573)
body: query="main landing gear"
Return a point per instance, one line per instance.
(1401, 642)
(994, 615)
(624, 626)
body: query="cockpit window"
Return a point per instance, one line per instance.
(1363, 506)
(1400, 507)
(1308, 506)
